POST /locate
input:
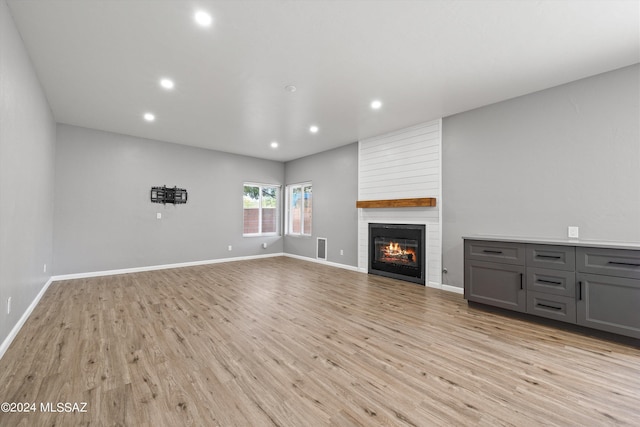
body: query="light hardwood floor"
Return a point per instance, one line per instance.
(280, 341)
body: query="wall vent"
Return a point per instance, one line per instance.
(321, 250)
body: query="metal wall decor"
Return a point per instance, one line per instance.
(164, 195)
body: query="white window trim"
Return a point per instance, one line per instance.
(289, 218)
(278, 208)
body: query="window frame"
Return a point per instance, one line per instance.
(278, 208)
(288, 214)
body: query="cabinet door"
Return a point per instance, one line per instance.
(609, 303)
(500, 285)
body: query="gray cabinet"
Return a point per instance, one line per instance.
(552, 306)
(594, 286)
(609, 290)
(551, 281)
(551, 256)
(609, 262)
(500, 252)
(500, 285)
(494, 272)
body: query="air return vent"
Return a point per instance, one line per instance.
(321, 250)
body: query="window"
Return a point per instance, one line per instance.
(261, 213)
(299, 203)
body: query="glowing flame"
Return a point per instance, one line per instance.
(394, 248)
(394, 252)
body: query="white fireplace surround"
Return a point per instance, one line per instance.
(403, 164)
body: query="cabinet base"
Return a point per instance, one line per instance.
(556, 324)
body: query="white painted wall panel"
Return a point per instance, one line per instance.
(403, 164)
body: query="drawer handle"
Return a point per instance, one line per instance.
(549, 306)
(549, 256)
(550, 282)
(487, 251)
(628, 264)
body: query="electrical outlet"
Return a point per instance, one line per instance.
(9, 305)
(264, 245)
(230, 248)
(158, 215)
(341, 252)
(573, 232)
(44, 269)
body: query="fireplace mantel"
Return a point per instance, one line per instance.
(397, 203)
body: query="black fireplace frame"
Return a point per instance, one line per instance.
(401, 231)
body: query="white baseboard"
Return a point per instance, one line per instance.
(158, 267)
(447, 288)
(454, 289)
(14, 332)
(321, 261)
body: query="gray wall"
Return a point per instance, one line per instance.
(334, 175)
(536, 164)
(27, 145)
(104, 219)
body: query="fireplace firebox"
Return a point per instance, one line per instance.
(397, 251)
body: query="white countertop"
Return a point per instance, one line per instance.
(553, 241)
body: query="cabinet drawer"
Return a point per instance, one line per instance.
(552, 306)
(609, 262)
(549, 256)
(503, 252)
(556, 282)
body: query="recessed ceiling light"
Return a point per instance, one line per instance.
(149, 117)
(314, 129)
(274, 144)
(203, 18)
(376, 104)
(290, 88)
(166, 83)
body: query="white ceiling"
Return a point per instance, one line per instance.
(100, 62)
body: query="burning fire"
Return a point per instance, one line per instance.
(395, 252)
(395, 249)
